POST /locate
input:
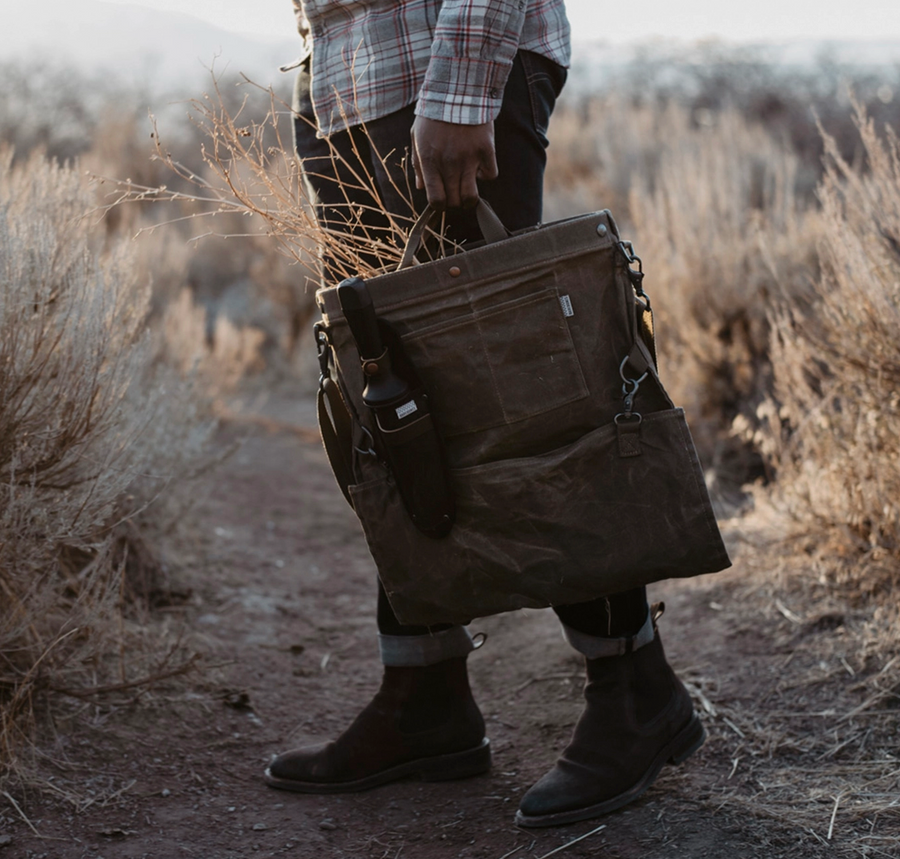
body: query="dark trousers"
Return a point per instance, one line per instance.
(339, 174)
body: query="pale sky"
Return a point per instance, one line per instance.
(616, 21)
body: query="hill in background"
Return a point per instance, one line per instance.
(153, 49)
(165, 51)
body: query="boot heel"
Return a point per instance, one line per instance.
(689, 740)
(459, 765)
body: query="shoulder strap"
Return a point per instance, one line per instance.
(337, 433)
(335, 421)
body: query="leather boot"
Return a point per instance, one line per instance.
(637, 718)
(422, 722)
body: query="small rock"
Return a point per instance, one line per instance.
(260, 827)
(117, 832)
(327, 824)
(5, 840)
(237, 700)
(165, 792)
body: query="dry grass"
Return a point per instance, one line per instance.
(810, 741)
(84, 419)
(832, 426)
(250, 187)
(250, 172)
(729, 241)
(714, 212)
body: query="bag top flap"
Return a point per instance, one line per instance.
(522, 251)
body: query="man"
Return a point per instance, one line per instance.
(467, 88)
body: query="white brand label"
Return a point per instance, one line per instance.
(406, 409)
(566, 303)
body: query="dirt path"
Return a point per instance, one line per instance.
(284, 603)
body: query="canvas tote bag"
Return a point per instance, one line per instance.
(572, 473)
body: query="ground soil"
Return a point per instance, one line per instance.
(283, 606)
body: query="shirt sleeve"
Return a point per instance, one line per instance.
(475, 42)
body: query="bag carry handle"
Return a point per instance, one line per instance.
(491, 227)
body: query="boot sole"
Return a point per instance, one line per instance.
(681, 747)
(463, 764)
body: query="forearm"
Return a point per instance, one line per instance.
(475, 42)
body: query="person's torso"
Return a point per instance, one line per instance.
(370, 57)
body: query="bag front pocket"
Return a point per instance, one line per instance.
(564, 527)
(499, 365)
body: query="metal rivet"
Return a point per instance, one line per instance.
(454, 271)
(370, 368)
(601, 230)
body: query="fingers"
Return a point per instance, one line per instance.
(485, 169)
(452, 181)
(438, 187)
(438, 172)
(428, 174)
(468, 186)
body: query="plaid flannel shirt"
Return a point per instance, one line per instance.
(373, 57)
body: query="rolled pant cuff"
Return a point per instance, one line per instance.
(417, 651)
(595, 647)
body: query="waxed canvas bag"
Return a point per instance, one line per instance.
(572, 473)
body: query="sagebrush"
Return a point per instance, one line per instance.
(86, 415)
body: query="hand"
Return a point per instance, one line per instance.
(449, 158)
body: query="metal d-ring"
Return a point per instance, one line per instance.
(630, 388)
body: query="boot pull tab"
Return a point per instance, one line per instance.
(478, 640)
